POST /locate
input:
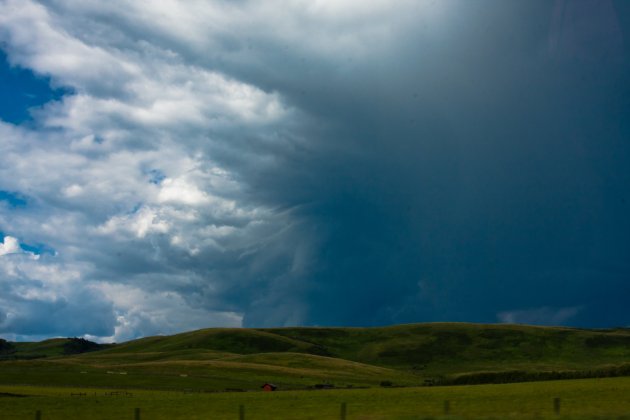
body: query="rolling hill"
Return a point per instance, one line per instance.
(414, 354)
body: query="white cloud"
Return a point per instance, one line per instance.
(140, 223)
(36, 41)
(142, 313)
(10, 246)
(539, 316)
(72, 190)
(180, 191)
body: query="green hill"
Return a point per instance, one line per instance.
(415, 354)
(442, 348)
(229, 340)
(47, 348)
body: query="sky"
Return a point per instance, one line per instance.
(168, 166)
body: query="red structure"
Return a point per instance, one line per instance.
(269, 387)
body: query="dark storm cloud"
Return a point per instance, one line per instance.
(473, 174)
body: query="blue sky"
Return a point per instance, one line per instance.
(213, 163)
(21, 91)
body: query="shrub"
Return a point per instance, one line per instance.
(6, 347)
(79, 345)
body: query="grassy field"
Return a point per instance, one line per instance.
(186, 375)
(288, 371)
(579, 399)
(297, 358)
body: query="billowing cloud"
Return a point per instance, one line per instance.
(327, 162)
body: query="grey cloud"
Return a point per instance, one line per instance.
(78, 314)
(41, 298)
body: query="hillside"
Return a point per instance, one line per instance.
(441, 348)
(47, 348)
(415, 354)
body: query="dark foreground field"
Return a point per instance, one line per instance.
(578, 399)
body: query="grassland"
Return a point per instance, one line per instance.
(187, 375)
(299, 358)
(579, 399)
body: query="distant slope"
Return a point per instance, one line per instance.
(47, 348)
(436, 347)
(452, 347)
(229, 340)
(218, 358)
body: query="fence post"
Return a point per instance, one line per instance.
(343, 411)
(38, 415)
(136, 414)
(556, 405)
(241, 412)
(447, 407)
